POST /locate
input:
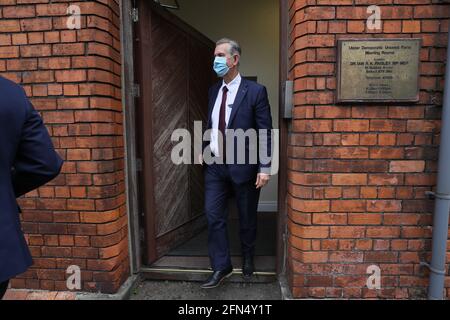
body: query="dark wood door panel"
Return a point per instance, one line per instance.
(170, 112)
(175, 74)
(200, 78)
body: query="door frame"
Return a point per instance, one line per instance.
(283, 124)
(129, 119)
(144, 144)
(133, 164)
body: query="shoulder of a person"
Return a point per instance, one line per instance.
(9, 86)
(254, 86)
(14, 95)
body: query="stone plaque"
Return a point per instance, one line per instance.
(378, 70)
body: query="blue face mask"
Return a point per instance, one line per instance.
(220, 66)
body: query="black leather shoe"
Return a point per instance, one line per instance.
(216, 278)
(248, 266)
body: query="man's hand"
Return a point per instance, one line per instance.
(200, 159)
(261, 180)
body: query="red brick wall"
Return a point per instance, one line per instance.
(358, 174)
(73, 79)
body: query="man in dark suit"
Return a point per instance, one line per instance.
(27, 161)
(234, 104)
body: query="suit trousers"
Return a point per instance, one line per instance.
(218, 188)
(3, 288)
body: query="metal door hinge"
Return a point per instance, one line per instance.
(135, 14)
(136, 90)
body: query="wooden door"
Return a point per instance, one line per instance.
(174, 68)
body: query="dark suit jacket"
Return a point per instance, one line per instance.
(251, 110)
(27, 161)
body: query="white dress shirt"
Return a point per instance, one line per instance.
(233, 88)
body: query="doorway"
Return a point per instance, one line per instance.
(173, 238)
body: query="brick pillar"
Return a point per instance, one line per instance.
(73, 79)
(358, 174)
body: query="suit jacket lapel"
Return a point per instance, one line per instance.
(237, 102)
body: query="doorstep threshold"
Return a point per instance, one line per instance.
(203, 271)
(201, 274)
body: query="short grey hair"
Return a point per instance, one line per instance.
(235, 48)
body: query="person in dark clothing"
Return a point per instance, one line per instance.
(28, 160)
